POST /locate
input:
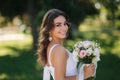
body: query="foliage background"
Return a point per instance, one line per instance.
(20, 20)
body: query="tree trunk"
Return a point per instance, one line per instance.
(113, 13)
(31, 12)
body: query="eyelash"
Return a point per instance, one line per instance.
(57, 25)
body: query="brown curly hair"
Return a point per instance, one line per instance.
(46, 26)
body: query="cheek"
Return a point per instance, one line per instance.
(67, 28)
(54, 31)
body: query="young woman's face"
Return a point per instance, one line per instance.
(60, 28)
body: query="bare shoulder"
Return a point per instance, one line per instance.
(59, 51)
(59, 57)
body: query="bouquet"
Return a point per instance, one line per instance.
(85, 53)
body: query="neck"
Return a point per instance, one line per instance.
(57, 42)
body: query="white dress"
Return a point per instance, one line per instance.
(70, 67)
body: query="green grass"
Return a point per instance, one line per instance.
(108, 67)
(18, 61)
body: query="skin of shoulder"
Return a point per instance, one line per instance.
(59, 62)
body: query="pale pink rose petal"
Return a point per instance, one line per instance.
(82, 53)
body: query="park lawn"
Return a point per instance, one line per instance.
(18, 62)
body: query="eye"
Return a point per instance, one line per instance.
(65, 24)
(57, 25)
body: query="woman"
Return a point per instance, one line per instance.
(57, 60)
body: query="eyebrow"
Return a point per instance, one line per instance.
(60, 22)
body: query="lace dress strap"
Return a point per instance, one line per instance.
(49, 55)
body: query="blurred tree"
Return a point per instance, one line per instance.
(12, 8)
(112, 7)
(77, 10)
(33, 9)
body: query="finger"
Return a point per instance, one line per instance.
(91, 65)
(85, 67)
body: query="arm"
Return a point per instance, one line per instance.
(59, 62)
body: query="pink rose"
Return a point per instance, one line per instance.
(82, 53)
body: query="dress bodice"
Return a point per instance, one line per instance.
(70, 66)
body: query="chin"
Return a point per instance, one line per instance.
(63, 37)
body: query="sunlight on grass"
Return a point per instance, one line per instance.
(83, 27)
(90, 24)
(87, 27)
(116, 33)
(6, 51)
(5, 47)
(2, 76)
(116, 49)
(18, 60)
(102, 51)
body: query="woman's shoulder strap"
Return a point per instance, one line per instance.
(49, 57)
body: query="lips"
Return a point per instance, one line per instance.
(63, 33)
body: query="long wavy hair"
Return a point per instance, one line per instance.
(46, 26)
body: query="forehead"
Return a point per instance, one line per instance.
(59, 19)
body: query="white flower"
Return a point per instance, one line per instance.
(77, 49)
(75, 53)
(89, 51)
(93, 44)
(96, 45)
(96, 52)
(95, 59)
(86, 44)
(80, 45)
(76, 45)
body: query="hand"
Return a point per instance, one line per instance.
(88, 70)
